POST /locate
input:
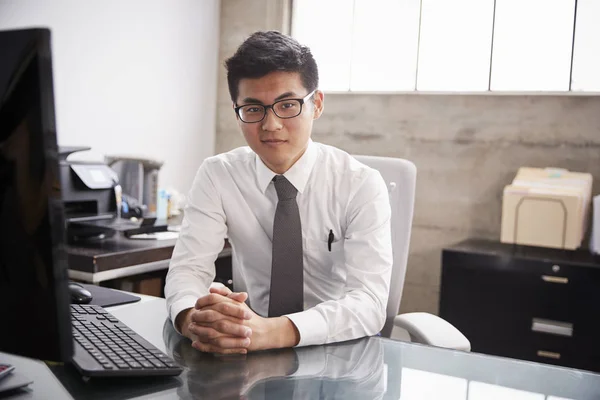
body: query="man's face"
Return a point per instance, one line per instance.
(278, 142)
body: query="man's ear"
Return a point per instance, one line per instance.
(319, 104)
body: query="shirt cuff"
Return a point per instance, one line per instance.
(311, 325)
(179, 306)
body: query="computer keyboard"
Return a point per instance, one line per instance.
(106, 347)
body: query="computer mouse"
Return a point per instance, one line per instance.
(79, 294)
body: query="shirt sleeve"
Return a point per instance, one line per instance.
(203, 229)
(361, 310)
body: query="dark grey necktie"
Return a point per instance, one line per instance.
(287, 270)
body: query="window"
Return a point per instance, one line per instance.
(586, 52)
(326, 27)
(455, 45)
(384, 55)
(532, 45)
(452, 45)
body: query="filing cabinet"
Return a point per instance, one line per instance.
(524, 302)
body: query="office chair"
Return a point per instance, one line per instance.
(400, 176)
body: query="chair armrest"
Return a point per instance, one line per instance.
(432, 330)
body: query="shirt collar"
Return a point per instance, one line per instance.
(297, 175)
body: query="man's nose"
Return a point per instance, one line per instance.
(271, 122)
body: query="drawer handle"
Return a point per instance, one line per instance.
(552, 327)
(548, 354)
(555, 279)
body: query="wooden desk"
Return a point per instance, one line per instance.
(118, 257)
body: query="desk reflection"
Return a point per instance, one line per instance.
(344, 370)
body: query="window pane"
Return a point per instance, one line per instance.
(384, 53)
(532, 45)
(586, 55)
(455, 45)
(326, 27)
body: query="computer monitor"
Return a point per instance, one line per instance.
(34, 298)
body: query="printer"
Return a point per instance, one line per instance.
(90, 200)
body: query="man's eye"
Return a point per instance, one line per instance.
(288, 105)
(253, 109)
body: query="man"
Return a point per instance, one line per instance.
(309, 225)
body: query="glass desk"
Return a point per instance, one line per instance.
(369, 368)
(373, 368)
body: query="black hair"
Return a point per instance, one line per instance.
(266, 52)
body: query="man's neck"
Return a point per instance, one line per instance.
(282, 169)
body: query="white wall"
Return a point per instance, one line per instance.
(132, 77)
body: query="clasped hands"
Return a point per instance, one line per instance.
(221, 322)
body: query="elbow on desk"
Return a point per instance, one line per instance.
(374, 317)
(381, 316)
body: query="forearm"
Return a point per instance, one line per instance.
(355, 315)
(273, 333)
(182, 320)
(192, 268)
(184, 285)
(283, 333)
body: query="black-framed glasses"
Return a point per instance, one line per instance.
(287, 108)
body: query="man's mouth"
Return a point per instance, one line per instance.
(273, 141)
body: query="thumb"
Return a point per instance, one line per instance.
(222, 290)
(238, 296)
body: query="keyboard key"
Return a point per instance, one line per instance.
(146, 364)
(162, 357)
(134, 364)
(157, 363)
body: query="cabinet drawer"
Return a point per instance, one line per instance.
(528, 288)
(547, 350)
(483, 303)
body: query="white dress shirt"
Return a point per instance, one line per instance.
(345, 289)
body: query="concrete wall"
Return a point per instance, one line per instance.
(132, 77)
(466, 148)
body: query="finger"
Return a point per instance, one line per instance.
(211, 299)
(218, 329)
(235, 310)
(209, 348)
(227, 342)
(239, 296)
(210, 316)
(225, 291)
(203, 333)
(222, 290)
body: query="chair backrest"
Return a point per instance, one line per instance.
(400, 176)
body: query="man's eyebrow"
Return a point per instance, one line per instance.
(252, 100)
(283, 96)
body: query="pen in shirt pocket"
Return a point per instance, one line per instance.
(330, 240)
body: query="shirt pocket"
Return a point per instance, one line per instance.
(322, 263)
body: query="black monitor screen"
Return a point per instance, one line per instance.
(34, 301)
